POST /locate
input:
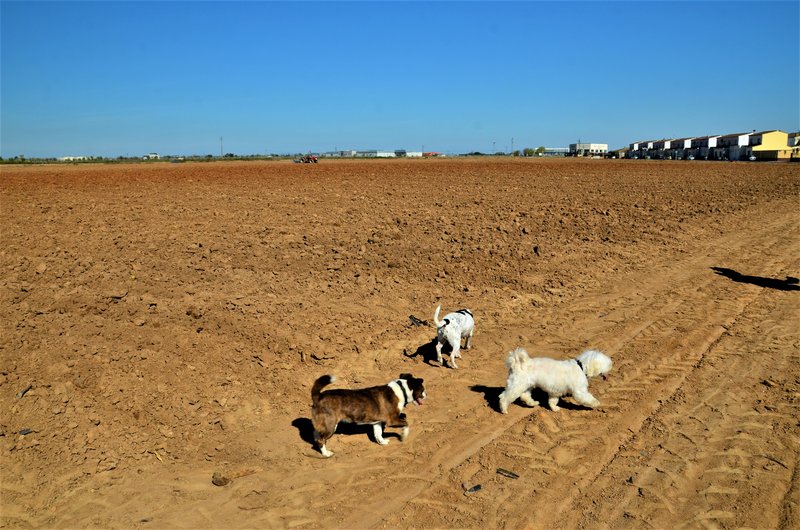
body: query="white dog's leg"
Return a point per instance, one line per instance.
(439, 359)
(553, 403)
(404, 434)
(455, 354)
(586, 399)
(503, 402)
(377, 430)
(468, 345)
(507, 397)
(527, 398)
(324, 451)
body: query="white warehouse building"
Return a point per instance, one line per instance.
(581, 149)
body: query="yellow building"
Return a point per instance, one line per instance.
(771, 145)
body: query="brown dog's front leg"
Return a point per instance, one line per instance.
(400, 421)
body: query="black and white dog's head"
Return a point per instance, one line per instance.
(409, 389)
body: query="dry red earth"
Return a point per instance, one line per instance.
(168, 320)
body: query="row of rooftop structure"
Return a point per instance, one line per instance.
(578, 149)
(764, 145)
(376, 153)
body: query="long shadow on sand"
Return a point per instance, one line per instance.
(789, 284)
(492, 396)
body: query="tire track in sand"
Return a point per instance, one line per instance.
(659, 348)
(714, 455)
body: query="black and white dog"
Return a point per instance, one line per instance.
(451, 329)
(376, 406)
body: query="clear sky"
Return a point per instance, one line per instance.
(127, 78)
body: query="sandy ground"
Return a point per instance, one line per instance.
(164, 322)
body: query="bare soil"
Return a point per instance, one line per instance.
(162, 324)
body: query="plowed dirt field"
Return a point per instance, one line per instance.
(160, 323)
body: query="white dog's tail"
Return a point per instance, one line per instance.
(516, 358)
(436, 316)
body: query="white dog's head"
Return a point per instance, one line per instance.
(595, 363)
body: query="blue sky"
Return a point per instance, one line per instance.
(126, 78)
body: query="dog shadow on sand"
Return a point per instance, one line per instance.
(428, 353)
(789, 284)
(492, 396)
(306, 430)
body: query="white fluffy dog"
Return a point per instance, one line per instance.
(451, 329)
(557, 378)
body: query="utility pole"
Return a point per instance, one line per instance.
(220, 146)
(512, 144)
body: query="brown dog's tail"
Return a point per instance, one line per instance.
(516, 358)
(319, 384)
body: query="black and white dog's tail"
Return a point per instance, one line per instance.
(516, 358)
(439, 323)
(319, 384)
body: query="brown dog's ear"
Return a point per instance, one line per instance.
(407, 377)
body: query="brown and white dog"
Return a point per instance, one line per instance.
(376, 406)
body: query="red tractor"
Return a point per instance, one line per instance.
(306, 159)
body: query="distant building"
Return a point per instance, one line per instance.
(619, 153)
(151, 156)
(794, 144)
(637, 149)
(374, 153)
(72, 158)
(408, 154)
(704, 147)
(555, 151)
(582, 149)
(677, 149)
(732, 146)
(773, 145)
(764, 145)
